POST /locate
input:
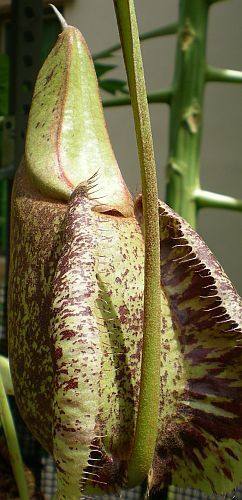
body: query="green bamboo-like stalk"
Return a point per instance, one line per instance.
(185, 98)
(147, 417)
(12, 442)
(190, 77)
(186, 109)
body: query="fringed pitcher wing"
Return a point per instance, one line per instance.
(200, 438)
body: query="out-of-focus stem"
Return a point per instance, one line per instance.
(207, 199)
(159, 96)
(210, 2)
(6, 375)
(186, 109)
(170, 29)
(12, 442)
(214, 74)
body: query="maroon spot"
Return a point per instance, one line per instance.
(123, 313)
(231, 453)
(227, 473)
(67, 334)
(219, 427)
(49, 76)
(58, 353)
(71, 384)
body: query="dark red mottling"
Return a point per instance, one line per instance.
(35, 248)
(206, 313)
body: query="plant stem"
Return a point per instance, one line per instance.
(170, 29)
(6, 375)
(186, 109)
(159, 96)
(214, 74)
(214, 1)
(147, 416)
(206, 199)
(12, 442)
